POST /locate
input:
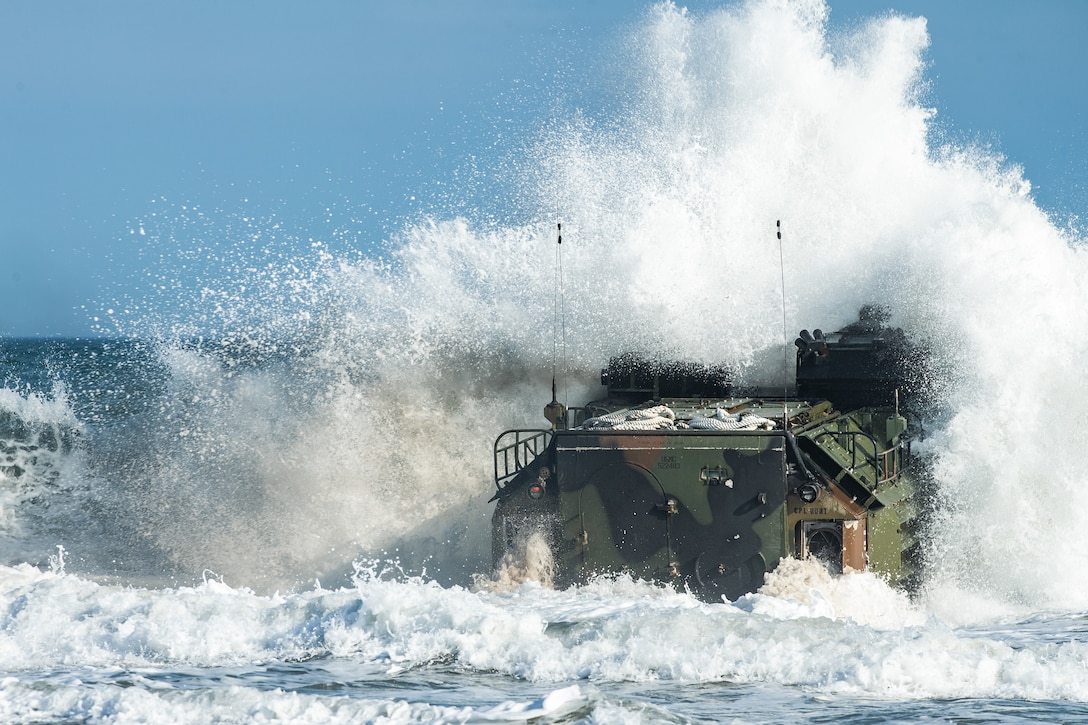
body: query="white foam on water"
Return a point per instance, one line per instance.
(22, 703)
(805, 588)
(590, 635)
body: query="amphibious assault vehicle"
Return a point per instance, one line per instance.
(679, 476)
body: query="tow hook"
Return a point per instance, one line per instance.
(669, 508)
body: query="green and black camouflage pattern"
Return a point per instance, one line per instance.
(714, 510)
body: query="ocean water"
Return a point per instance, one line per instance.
(261, 494)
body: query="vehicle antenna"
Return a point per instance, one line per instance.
(556, 411)
(785, 334)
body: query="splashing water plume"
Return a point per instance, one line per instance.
(535, 563)
(354, 409)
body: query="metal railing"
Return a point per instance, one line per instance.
(885, 464)
(891, 463)
(516, 449)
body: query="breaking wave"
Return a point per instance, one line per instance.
(319, 405)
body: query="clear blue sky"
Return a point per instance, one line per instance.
(105, 106)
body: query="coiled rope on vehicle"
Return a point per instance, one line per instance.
(722, 420)
(656, 418)
(662, 417)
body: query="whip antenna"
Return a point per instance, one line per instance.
(556, 411)
(785, 334)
